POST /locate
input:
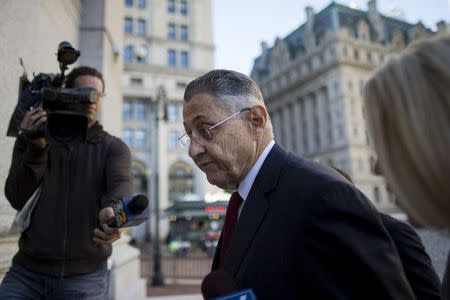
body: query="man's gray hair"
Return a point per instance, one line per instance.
(233, 89)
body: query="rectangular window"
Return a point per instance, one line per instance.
(356, 54)
(171, 34)
(173, 139)
(142, 27)
(141, 60)
(181, 85)
(128, 25)
(140, 110)
(127, 110)
(136, 81)
(141, 54)
(183, 7)
(128, 54)
(184, 33)
(128, 3)
(139, 138)
(142, 3)
(128, 137)
(171, 58)
(184, 59)
(171, 6)
(173, 113)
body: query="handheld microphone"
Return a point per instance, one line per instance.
(129, 211)
(220, 285)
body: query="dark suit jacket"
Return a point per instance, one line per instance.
(304, 233)
(415, 261)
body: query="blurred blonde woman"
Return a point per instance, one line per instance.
(407, 103)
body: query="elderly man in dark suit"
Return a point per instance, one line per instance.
(294, 229)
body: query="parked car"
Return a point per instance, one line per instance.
(179, 247)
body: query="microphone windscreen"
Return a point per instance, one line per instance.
(138, 204)
(218, 283)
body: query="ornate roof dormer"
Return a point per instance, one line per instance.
(376, 21)
(398, 40)
(419, 31)
(310, 38)
(363, 30)
(279, 57)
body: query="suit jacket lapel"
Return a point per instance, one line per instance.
(255, 208)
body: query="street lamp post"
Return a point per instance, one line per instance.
(157, 279)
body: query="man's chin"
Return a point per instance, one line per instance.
(226, 185)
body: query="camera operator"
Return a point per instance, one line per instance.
(63, 253)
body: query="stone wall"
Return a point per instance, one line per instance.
(31, 30)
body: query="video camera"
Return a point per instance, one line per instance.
(64, 124)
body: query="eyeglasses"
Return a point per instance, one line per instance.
(204, 134)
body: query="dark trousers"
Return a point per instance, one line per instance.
(22, 284)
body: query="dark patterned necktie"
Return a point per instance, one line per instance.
(229, 226)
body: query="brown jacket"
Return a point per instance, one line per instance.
(77, 182)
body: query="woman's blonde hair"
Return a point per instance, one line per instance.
(407, 104)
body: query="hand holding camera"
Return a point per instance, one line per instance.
(32, 121)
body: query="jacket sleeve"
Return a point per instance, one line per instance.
(416, 262)
(28, 166)
(348, 252)
(119, 181)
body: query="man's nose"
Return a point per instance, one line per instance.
(195, 148)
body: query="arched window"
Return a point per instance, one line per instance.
(181, 181)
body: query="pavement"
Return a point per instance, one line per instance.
(173, 289)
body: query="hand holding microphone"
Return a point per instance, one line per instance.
(106, 234)
(129, 211)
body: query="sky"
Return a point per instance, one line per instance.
(241, 25)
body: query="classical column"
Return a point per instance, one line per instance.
(286, 128)
(309, 130)
(299, 131)
(276, 125)
(322, 115)
(292, 127)
(304, 126)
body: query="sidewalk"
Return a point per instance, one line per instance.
(175, 291)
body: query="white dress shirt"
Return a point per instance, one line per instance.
(247, 183)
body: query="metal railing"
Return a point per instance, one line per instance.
(192, 264)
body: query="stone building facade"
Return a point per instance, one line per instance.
(167, 44)
(312, 82)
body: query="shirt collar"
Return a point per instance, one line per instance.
(247, 182)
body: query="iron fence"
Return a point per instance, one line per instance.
(193, 264)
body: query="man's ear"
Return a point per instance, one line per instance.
(258, 118)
